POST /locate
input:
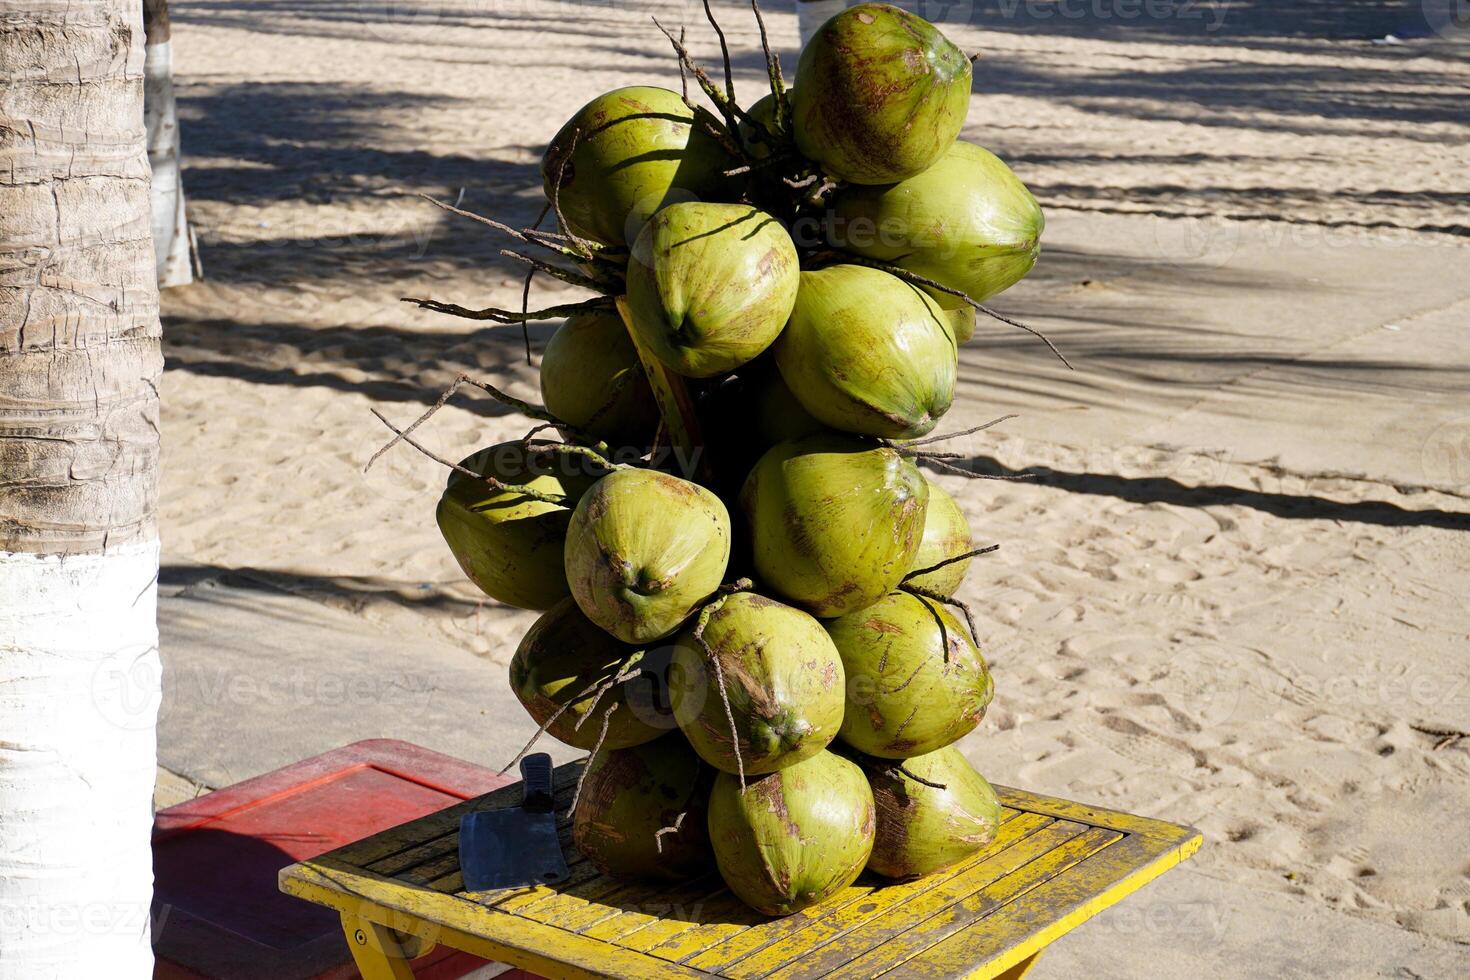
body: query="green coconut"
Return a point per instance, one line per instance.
(591, 378)
(967, 222)
(794, 837)
(741, 418)
(880, 95)
(626, 154)
(772, 409)
(946, 536)
(912, 687)
(762, 140)
(868, 353)
(563, 661)
(923, 829)
(710, 285)
(961, 314)
(642, 811)
(834, 521)
(643, 550)
(510, 545)
(782, 677)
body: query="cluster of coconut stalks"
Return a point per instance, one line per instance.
(601, 454)
(776, 378)
(600, 268)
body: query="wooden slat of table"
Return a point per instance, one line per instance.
(931, 892)
(1053, 864)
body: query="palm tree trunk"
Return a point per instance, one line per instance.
(79, 371)
(173, 241)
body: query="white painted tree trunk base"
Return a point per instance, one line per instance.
(79, 695)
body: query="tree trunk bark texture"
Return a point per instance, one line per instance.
(79, 371)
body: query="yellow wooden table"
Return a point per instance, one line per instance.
(1053, 865)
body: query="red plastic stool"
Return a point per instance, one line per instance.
(217, 913)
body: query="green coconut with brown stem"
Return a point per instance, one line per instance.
(967, 223)
(591, 378)
(834, 521)
(509, 541)
(916, 682)
(868, 353)
(710, 285)
(756, 685)
(880, 95)
(934, 811)
(794, 837)
(568, 674)
(946, 539)
(643, 550)
(642, 811)
(626, 154)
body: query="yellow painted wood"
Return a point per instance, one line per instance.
(1062, 904)
(1054, 864)
(375, 950)
(743, 959)
(1093, 816)
(894, 922)
(471, 927)
(932, 930)
(646, 906)
(1020, 969)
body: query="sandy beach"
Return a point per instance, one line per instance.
(1231, 595)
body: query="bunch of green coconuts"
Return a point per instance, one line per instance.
(753, 634)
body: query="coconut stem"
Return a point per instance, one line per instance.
(561, 710)
(919, 779)
(724, 134)
(510, 317)
(938, 621)
(963, 432)
(781, 108)
(525, 408)
(948, 600)
(950, 561)
(585, 248)
(571, 449)
(489, 481)
(739, 585)
(673, 828)
(704, 617)
(729, 72)
(671, 393)
(918, 280)
(568, 276)
(529, 236)
(683, 75)
(526, 312)
(603, 688)
(596, 748)
(937, 461)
